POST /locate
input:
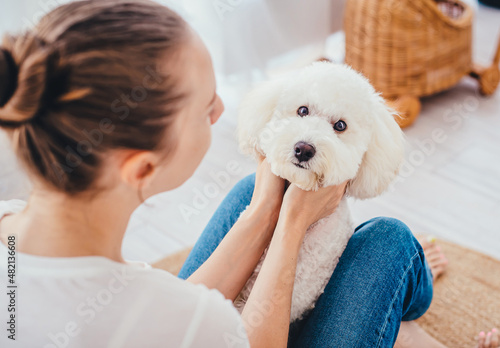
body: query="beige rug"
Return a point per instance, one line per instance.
(466, 297)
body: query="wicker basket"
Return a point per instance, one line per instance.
(413, 48)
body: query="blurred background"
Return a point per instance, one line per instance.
(449, 188)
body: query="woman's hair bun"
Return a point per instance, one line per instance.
(8, 76)
(22, 79)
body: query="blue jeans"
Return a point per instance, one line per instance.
(381, 279)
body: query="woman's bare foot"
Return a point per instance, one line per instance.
(411, 335)
(435, 257)
(488, 340)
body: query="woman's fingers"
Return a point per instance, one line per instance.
(333, 197)
(268, 191)
(307, 207)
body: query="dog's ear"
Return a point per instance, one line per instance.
(255, 111)
(384, 156)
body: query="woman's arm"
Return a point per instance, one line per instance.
(232, 263)
(267, 311)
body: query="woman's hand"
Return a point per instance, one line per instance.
(234, 260)
(274, 285)
(303, 208)
(268, 192)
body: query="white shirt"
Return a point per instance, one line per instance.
(92, 302)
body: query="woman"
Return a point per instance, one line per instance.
(110, 102)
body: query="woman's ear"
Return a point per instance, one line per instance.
(138, 168)
(384, 156)
(256, 109)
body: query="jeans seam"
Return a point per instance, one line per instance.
(394, 299)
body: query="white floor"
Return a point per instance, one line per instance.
(450, 189)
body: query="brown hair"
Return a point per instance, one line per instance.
(84, 81)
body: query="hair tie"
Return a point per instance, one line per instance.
(9, 85)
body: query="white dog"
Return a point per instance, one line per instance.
(321, 126)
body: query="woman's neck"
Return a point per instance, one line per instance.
(55, 225)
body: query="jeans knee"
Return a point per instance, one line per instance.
(388, 232)
(401, 261)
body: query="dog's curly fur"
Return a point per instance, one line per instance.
(368, 154)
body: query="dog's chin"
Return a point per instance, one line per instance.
(300, 175)
(307, 178)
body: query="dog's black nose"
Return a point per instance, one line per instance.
(304, 151)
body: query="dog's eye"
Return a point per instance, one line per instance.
(303, 111)
(340, 126)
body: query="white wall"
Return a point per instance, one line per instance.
(240, 34)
